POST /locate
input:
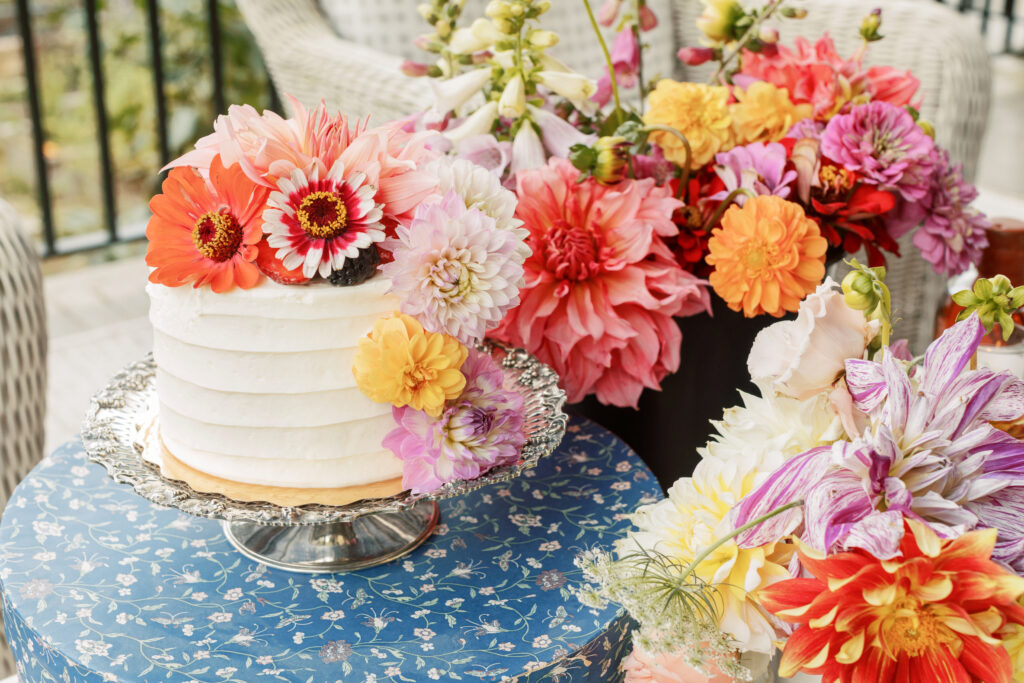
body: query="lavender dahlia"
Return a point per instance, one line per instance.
(928, 452)
(758, 167)
(479, 430)
(456, 271)
(884, 146)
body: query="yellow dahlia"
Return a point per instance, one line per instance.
(401, 363)
(764, 113)
(768, 255)
(698, 111)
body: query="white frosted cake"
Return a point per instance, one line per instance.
(255, 386)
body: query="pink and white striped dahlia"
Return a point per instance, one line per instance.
(455, 269)
(316, 223)
(602, 287)
(928, 452)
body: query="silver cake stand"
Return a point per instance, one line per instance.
(310, 538)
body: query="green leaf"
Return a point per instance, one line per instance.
(965, 298)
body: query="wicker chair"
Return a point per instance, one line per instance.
(309, 59)
(22, 365)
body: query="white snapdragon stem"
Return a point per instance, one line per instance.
(451, 94)
(558, 134)
(527, 150)
(513, 98)
(479, 123)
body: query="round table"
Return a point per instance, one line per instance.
(100, 585)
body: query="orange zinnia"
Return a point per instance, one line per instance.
(932, 615)
(768, 255)
(205, 231)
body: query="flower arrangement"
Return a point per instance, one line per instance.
(862, 514)
(749, 185)
(317, 200)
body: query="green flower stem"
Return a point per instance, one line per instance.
(641, 89)
(725, 539)
(751, 32)
(724, 206)
(607, 54)
(684, 179)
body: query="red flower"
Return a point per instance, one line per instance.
(932, 615)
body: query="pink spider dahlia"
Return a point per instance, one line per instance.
(601, 285)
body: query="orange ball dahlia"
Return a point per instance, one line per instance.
(933, 614)
(767, 256)
(205, 231)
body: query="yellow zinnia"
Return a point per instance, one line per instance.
(401, 363)
(698, 111)
(764, 113)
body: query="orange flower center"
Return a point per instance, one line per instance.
(322, 215)
(417, 375)
(571, 252)
(217, 236)
(913, 631)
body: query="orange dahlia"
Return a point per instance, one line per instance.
(767, 256)
(205, 231)
(932, 615)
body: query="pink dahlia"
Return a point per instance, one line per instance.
(758, 167)
(455, 270)
(481, 429)
(316, 223)
(953, 234)
(884, 145)
(602, 287)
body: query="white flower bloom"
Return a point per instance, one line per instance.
(477, 123)
(450, 94)
(481, 35)
(527, 150)
(482, 190)
(513, 98)
(574, 87)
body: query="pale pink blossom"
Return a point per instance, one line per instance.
(643, 667)
(803, 357)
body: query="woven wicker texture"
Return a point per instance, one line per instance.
(22, 365)
(309, 59)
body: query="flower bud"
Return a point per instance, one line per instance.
(414, 69)
(543, 39)
(542, 6)
(859, 291)
(927, 127)
(612, 159)
(425, 10)
(768, 35)
(512, 103)
(497, 9)
(516, 10)
(609, 12)
(443, 28)
(647, 20)
(870, 24)
(719, 18)
(793, 12)
(695, 56)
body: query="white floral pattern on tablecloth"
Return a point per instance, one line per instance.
(100, 585)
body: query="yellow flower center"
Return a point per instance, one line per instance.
(836, 180)
(217, 236)
(914, 630)
(756, 257)
(322, 215)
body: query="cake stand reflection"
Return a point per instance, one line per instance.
(311, 538)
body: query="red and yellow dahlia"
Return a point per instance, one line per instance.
(205, 231)
(935, 614)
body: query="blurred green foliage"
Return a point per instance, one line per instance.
(65, 80)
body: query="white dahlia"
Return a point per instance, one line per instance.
(480, 189)
(454, 269)
(773, 426)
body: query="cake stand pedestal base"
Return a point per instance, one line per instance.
(366, 541)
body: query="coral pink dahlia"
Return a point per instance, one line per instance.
(316, 223)
(601, 285)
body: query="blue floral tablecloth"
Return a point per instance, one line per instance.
(100, 585)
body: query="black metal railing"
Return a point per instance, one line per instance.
(110, 231)
(1000, 20)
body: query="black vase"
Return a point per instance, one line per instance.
(674, 422)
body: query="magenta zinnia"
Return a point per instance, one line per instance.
(601, 285)
(480, 429)
(315, 224)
